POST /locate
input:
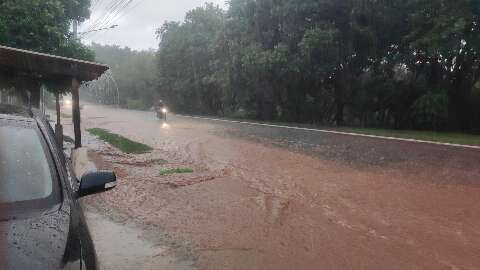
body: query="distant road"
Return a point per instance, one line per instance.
(331, 132)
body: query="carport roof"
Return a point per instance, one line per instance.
(46, 66)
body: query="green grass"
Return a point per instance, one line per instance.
(175, 170)
(445, 137)
(123, 144)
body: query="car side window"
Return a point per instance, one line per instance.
(70, 178)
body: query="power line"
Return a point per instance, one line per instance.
(107, 8)
(117, 10)
(110, 18)
(126, 9)
(133, 8)
(113, 10)
(102, 6)
(97, 30)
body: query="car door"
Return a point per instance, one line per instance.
(80, 242)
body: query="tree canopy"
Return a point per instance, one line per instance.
(44, 26)
(403, 64)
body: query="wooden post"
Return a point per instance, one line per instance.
(57, 107)
(76, 113)
(29, 90)
(58, 125)
(35, 89)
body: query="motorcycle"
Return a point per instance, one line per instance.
(162, 113)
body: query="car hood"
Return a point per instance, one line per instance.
(41, 242)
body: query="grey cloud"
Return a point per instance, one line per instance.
(137, 26)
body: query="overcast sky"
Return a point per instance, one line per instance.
(138, 22)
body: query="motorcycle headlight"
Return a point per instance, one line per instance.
(164, 110)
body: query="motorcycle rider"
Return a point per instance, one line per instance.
(159, 105)
(160, 109)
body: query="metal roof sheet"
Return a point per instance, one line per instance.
(48, 66)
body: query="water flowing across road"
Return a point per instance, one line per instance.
(264, 197)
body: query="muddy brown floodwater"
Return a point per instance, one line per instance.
(251, 204)
(122, 245)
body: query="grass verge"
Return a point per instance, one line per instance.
(175, 170)
(123, 144)
(444, 137)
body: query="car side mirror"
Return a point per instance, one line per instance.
(96, 182)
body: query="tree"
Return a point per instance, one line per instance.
(401, 64)
(445, 37)
(135, 75)
(43, 25)
(191, 71)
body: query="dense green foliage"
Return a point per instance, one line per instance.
(135, 73)
(123, 144)
(402, 64)
(44, 26)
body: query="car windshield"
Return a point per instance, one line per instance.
(25, 173)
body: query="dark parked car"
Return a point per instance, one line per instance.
(42, 225)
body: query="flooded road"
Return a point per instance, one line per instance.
(272, 198)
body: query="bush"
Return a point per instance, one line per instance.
(431, 111)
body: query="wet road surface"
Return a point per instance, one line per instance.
(272, 198)
(121, 245)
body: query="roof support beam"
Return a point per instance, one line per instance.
(58, 125)
(76, 113)
(35, 91)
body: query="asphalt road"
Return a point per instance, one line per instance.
(275, 198)
(350, 149)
